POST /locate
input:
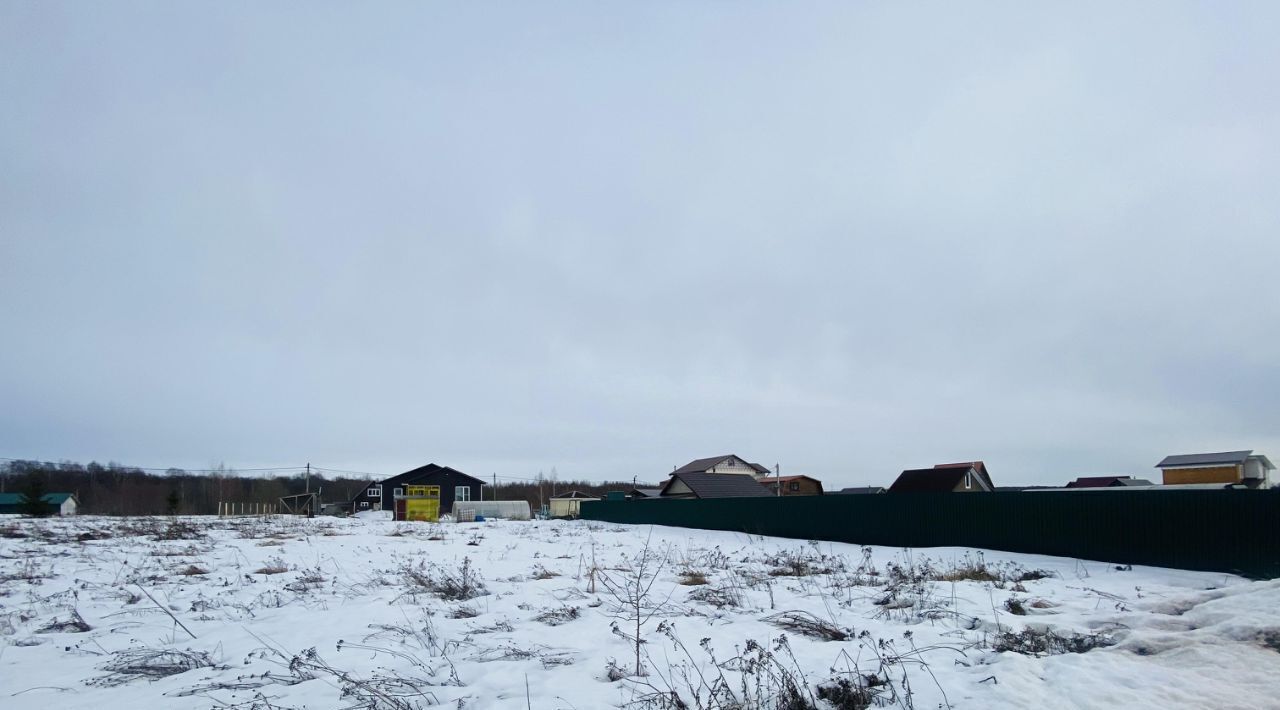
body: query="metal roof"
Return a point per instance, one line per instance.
(1223, 457)
(704, 464)
(719, 485)
(50, 498)
(928, 480)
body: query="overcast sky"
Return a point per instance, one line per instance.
(614, 237)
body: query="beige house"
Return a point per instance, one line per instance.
(1228, 468)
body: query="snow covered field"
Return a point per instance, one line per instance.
(327, 613)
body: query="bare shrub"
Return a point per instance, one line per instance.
(275, 565)
(13, 532)
(806, 624)
(178, 530)
(804, 563)
(540, 572)
(846, 694)
(556, 617)
(460, 584)
(718, 597)
(693, 578)
(192, 570)
(74, 625)
(134, 664)
(1016, 606)
(972, 568)
(1030, 642)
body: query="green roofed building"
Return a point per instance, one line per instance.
(61, 503)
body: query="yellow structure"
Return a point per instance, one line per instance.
(569, 505)
(420, 503)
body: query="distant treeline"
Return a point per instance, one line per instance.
(112, 489)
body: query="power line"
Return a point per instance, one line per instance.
(152, 468)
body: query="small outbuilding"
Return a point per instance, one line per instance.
(860, 490)
(63, 504)
(569, 505)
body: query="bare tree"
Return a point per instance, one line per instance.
(629, 592)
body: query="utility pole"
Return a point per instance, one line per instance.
(777, 471)
(495, 487)
(308, 476)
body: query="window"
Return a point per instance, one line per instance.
(462, 493)
(968, 479)
(375, 491)
(399, 492)
(364, 504)
(794, 486)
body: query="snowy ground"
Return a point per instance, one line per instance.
(289, 613)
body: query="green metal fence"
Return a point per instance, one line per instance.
(1224, 531)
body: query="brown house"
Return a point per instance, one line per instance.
(1228, 467)
(793, 485)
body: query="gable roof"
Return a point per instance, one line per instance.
(978, 467)
(932, 480)
(861, 490)
(718, 485)
(1097, 481)
(1226, 458)
(574, 494)
(646, 492)
(701, 465)
(430, 469)
(50, 498)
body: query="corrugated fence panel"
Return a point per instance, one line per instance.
(1225, 531)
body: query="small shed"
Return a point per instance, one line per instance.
(62, 504)
(568, 505)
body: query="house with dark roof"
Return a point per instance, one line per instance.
(792, 485)
(728, 463)
(1109, 482)
(392, 493)
(1227, 467)
(700, 484)
(58, 503)
(860, 490)
(970, 477)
